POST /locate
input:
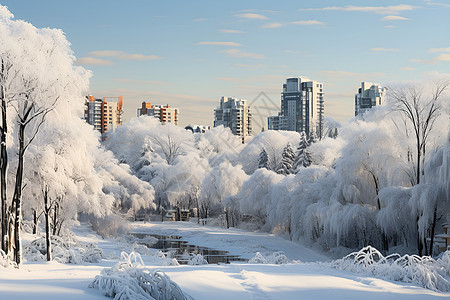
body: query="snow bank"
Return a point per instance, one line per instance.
(129, 279)
(64, 250)
(425, 271)
(277, 258)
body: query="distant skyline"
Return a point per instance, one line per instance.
(189, 54)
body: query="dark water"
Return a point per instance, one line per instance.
(180, 249)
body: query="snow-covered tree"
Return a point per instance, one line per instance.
(222, 181)
(263, 161)
(287, 160)
(303, 157)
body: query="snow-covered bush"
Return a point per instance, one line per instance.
(277, 258)
(425, 271)
(130, 279)
(167, 259)
(64, 250)
(197, 259)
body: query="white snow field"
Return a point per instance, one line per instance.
(302, 279)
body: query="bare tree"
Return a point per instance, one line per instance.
(170, 146)
(420, 112)
(421, 115)
(30, 115)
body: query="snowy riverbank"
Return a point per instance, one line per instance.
(41, 280)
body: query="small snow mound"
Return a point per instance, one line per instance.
(130, 279)
(425, 271)
(197, 259)
(277, 258)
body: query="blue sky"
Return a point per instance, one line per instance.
(190, 53)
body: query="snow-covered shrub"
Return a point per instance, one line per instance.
(167, 259)
(64, 250)
(425, 271)
(130, 279)
(277, 258)
(110, 226)
(197, 259)
(5, 261)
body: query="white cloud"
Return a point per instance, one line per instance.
(241, 54)
(384, 50)
(93, 61)
(252, 16)
(389, 26)
(302, 23)
(127, 56)
(231, 31)
(273, 25)
(434, 50)
(122, 55)
(308, 23)
(394, 18)
(435, 60)
(232, 44)
(104, 53)
(438, 4)
(394, 9)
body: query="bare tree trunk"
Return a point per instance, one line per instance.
(55, 218)
(3, 170)
(17, 199)
(35, 221)
(47, 225)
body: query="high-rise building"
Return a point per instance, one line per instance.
(302, 107)
(104, 114)
(235, 114)
(278, 122)
(368, 96)
(164, 113)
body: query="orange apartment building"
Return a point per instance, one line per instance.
(164, 113)
(104, 114)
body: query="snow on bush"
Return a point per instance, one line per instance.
(167, 259)
(425, 271)
(197, 259)
(130, 279)
(277, 258)
(64, 250)
(5, 261)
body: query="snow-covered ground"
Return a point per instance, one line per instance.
(301, 280)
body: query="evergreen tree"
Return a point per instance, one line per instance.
(312, 138)
(303, 157)
(263, 161)
(333, 133)
(287, 160)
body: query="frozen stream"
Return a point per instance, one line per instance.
(177, 248)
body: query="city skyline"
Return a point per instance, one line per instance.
(190, 54)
